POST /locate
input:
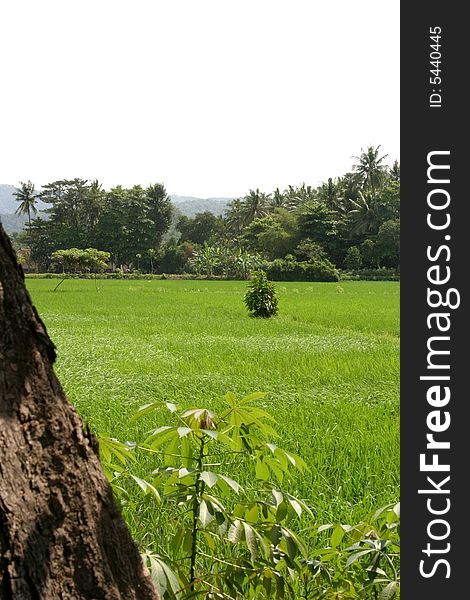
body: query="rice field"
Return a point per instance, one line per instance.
(329, 363)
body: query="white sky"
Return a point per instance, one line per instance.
(210, 97)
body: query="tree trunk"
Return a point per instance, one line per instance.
(62, 535)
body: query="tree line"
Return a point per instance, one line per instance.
(349, 222)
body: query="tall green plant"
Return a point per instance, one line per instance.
(230, 540)
(260, 298)
(225, 540)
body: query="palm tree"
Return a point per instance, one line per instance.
(27, 199)
(329, 193)
(395, 171)
(296, 196)
(365, 214)
(254, 205)
(370, 170)
(234, 217)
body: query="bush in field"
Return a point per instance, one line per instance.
(260, 298)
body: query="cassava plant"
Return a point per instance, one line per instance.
(207, 534)
(260, 298)
(229, 540)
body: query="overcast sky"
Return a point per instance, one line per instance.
(210, 97)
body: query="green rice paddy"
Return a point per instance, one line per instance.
(329, 362)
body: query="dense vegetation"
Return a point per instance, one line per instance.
(329, 365)
(350, 222)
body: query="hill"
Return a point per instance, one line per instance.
(190, 205)
(186, 205)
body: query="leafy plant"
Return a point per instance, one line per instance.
(225, 539)
(260, 298)
(360, 561)
(229, 539)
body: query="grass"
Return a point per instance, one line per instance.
(330, 362)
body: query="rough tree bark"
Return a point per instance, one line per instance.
(62, 535)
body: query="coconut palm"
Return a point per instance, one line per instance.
(365, 214)
(27, 199)
(254, 205)
(370, 170)
(330, 194)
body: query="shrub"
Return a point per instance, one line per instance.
(260, 298)
(381, 274)
(288, 269)
(353, 259)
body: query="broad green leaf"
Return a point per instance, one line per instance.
(278, 496)
(336, 536)
(273, 464)
(143, 410)
(235, 532)
(378, 570)
(205, 517)
(252, 514)
(231, 399)
(379, 511)
(209, 539)
(389, 592)
(171, 578)
(187, 543)
(146, 487)
(214, 503)
(307, 509)
(325, 527)
(281, 512)
(209, 478)
(357, 555)
(158, 576)
(299, 543)
(171, 407)
(184, 431)
(186, 452)
(252, 397)
(250, 539)
(211, 433)
(177, 539)
(295, 505)
(111, 448)
(158, 437)
(233, 484)
(262, 470)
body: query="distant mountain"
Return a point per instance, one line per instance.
(190, 205)
(8, 202)
(186, 205)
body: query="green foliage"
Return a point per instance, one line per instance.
(27, 197)
(312, 223)
(226, 261)
(331, 361)
(231, 540)
(75, 260)
(359, 561)
(275, 235)
(260, 298)
(353, 258)
(203, 227)
(289, 269)
(234, 540)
